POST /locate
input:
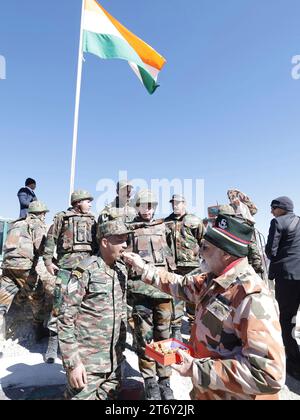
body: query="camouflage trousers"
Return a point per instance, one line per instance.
(100, 386)
(177, 312)
(61, 283)
(178, 305)
(152, 319)
(24, 285)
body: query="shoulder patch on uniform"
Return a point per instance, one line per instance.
(84, 264)
(77, 274)
(192, 221)
(73, 283)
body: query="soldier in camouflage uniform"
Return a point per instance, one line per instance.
(184, 234)
(91, 324)
(121, 207)
(24, 244)
(238, 349)
(73, 235)
(151, 308)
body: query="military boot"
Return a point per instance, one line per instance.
(165, 389)
(152, 391)
(51, 353)
(176, 332)
(2, 334)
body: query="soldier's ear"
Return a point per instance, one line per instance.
(104, 242)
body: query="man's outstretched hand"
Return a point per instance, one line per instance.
(134, 260)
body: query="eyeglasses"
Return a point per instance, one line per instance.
(274, 207)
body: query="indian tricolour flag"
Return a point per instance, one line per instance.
(105, 37)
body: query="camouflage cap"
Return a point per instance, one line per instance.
(111, 228)
(146, 197)
(123, 183)
(37, 207)
(177, 197)
(81, 195)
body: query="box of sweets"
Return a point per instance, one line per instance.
(165, 351)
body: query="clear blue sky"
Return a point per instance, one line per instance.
(227, 110)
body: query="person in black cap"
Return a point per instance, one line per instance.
(238, 352)
(26, 195)
(283, 250)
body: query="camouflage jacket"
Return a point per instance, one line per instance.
(236, 338)
(74, 237)
(24, 243)
(254, 257)
(114, 211)
(184, 236)
(92, 321)
(149, 241)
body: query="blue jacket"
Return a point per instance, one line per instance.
(25, 196)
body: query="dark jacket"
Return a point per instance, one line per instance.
(25, 196)
(283, 247)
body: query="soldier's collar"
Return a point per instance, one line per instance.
(102, 264)
(231, 273)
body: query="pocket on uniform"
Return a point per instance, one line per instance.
(98, 286)
(142, 243)
(213, 319)
(158, 249)
(81, 232)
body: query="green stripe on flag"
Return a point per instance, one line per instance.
(148, 80)
(111, 46)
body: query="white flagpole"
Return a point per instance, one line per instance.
(77, 103)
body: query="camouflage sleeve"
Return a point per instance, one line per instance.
(259, 368)
(200, 233)
(72, 300)
(39, 239)
(186, 288)
(254, 258)
(51, 240)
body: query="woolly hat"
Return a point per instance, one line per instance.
(284, 203)
(230, 235)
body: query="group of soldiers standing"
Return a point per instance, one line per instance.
(96, 294)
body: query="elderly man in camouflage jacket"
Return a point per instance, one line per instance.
(92, 322)
(24, 245)
(238, 349)
(184, 235)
